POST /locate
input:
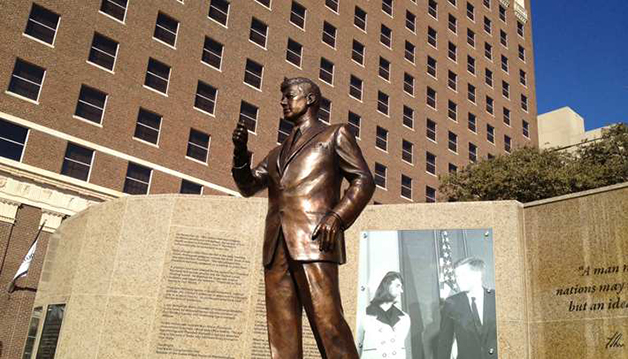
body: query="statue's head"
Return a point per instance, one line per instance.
(299, 95)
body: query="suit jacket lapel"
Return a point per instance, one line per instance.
(302, 141)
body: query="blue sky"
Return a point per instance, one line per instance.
(581, 58)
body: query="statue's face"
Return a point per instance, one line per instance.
(294, 102)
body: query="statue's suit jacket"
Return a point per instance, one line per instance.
(304, 184)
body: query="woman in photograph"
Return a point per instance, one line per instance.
(385, 326)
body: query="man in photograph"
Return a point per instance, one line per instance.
(469, 316)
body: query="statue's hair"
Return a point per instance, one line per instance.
(308, 86)
(382, 294)
(475, 263)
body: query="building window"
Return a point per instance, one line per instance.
(382, 102)
(324, 112)
(473, 152)
(408, 117)
(384, 68)
(219, 11)
(488, 51)
(452, 80)
(453, 168)
(205, 99)
(12, 140)
(157, 76)
(77, 162)
(387, 7)
(166, 29)
(522, 53)
(380, 175)
(408, 83)
(137, 179)
(524, 103)
(253, 73)
(198, 146)
(471, 93)
(523, 78)
(27, 80)
(505, 89)
(326, 72)
(453, 142)
(452, 51)
(248, 115)
(432, 8)
(490, 133)
(103, 52)
(258, 32)
(525, 128)
(507, 144)
(147, 127)
(297, 15)
(381, 138)
(470, 11)
(410, 21)
(471, 38)
(506, 116)
(91, 104)
(212, 53)
(355, 88)
(329, 34)
(409, 54)
(452, 23)
(520, 29)
(188, 187)
(293, 52)
(42, 24)
(471, 64)
(406, 150)
(431, 97)
(503, 38)
(504, 63)
(431, 66)
(332, 4)
(359, 19)
(502, 13)
(406, 187)
(354, 124)
(488, 77)
(284, 130)
(430, 194)
(430, 163)
(432, 37)
(472, 123)
(452, 110)
(431, 130)
(487, 25)
(357, 52)
(263, 2)
(453, 2)
(386, 36)
(114, 8)
(489, 105)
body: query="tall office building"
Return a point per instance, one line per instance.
(105, 97)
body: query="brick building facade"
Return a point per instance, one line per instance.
(103, 97)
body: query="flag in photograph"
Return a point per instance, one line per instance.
(447, 278)
(26, 263)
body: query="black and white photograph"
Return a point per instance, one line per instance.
(427, 294)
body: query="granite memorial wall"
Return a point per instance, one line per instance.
(175, 276)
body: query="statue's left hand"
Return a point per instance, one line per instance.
(326, 231)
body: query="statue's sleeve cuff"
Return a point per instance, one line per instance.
(342, 224)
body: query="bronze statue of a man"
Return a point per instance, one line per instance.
(304, 240)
